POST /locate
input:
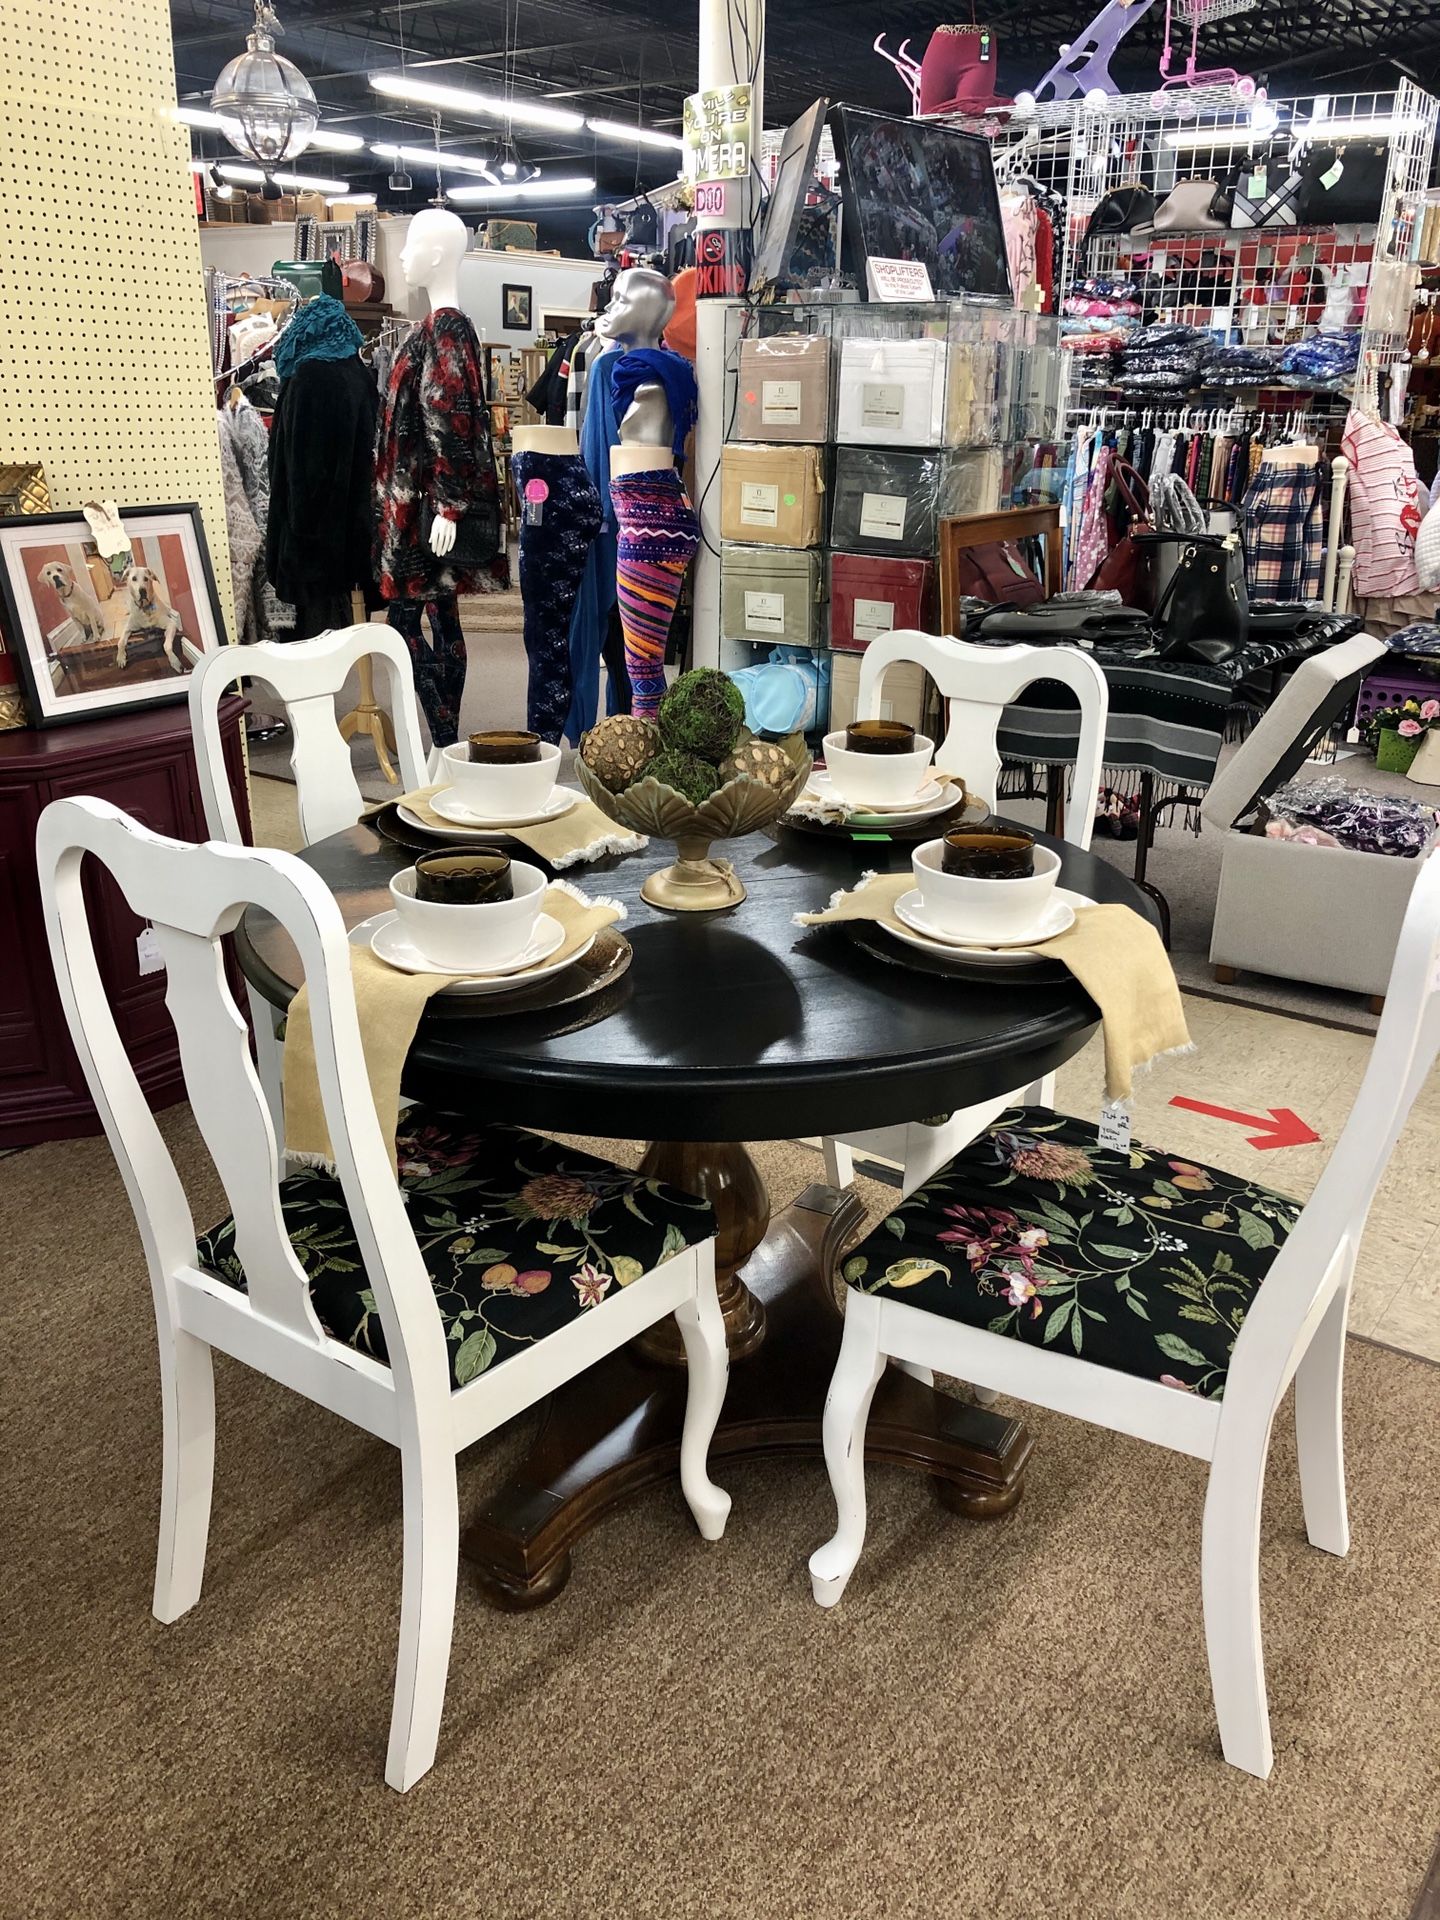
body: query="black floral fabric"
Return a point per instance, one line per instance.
(1135, 1260)
(519, 1235)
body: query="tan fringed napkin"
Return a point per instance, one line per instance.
(582, 834)
(389, 1003)
(1115, 955)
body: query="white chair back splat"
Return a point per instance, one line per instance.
(305, 676)
(977, 684)
(193, 896)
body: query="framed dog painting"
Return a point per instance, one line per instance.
(95, 633)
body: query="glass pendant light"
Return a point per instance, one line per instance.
(267, 108)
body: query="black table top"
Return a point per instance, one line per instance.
(730, 1026)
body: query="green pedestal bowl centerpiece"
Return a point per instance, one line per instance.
(693, 776)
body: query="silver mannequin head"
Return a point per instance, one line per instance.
(641, 304)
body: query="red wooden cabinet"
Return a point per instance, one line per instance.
(145, 763)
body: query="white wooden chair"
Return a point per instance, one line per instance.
(1293, 1328)
(976, 683)
(266, 1317)
(305, 676)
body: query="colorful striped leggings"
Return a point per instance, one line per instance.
(658, 536)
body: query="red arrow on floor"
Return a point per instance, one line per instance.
(1282, 1129)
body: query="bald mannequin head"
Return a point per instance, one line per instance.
(641, 303)
(430, 259)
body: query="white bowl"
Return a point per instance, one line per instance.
(472, 939)
(877, 779)
(982, 910)
(501, 792)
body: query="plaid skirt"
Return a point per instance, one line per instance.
(1285, 533)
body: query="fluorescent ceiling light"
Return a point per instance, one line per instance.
(252, 176)
(329, 142)
(355, 199)
(425, 157)
(640, 136)
(1241, 136)
(576, 186)
(1381, 126)
(494, 106)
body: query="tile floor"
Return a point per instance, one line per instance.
(1248, 1060)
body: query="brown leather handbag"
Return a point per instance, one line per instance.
(1129, 567)
(996, 571)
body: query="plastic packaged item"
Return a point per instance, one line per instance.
(771, 496)
(1356, 817)
(871, 595)
(891, 392)
(788, 693)
(784, 388)
(770, 594)
(892, 503)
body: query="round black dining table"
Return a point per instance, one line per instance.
(727, 1028)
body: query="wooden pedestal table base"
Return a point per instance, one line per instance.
(616, 1429)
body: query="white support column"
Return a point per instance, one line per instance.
(727, 29)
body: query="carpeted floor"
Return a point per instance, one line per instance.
(1006, 1720)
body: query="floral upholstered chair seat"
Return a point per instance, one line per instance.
(519, 1235)
(1134, 1260)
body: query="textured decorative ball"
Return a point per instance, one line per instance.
(703, 713)
(687, 773)
(619, 749)
(762, 760)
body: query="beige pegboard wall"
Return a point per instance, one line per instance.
(104, 340)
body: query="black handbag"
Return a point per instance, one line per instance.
(1342, 184)
(1205, 609)
(1122, 211)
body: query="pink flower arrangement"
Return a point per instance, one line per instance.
(1430, 709)
(1408, 729)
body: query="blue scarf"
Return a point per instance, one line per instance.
(643, 366)
(321, 330)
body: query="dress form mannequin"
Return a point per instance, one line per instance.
(438, 504)
(658, 529)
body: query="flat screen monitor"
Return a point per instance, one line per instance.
(793, 174)
(918, 191)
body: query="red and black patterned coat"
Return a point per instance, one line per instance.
(434, 455)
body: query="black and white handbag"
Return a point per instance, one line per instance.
(1264, 192)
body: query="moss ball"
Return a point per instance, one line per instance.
(685, 772)
(703, 714)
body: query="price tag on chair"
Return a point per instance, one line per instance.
(1114, 1128)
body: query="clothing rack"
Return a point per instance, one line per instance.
(1201, 419)
(224, 290)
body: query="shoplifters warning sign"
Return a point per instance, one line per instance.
(719, 134)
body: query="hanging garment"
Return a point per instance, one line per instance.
(1092, 542)
(1284, 519)
(1018, 218)
(434, 457)
(590, 622)
(582, 357)
(322, 612)
(439, 666)
(559, 518)
(548, 395)
(321, 457)
(1045, 257)
(659, 536)
(249, 440)
(1384, 506)
(243, 537)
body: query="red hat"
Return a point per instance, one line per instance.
(957, 74)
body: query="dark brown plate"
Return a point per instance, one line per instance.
(911, 833)
(1022, 971)
(386, 820)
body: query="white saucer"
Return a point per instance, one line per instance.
(924, 934)
(382, 935)
(934, 797)
(449, 807)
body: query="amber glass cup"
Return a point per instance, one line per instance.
(879, 736)
(464, 879)
(989, 853)
(502, 749)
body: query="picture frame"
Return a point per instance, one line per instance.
(91, 636)
(516, 308)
